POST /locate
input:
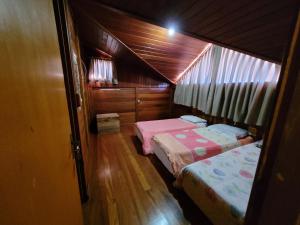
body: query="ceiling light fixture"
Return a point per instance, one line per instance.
(171, 31)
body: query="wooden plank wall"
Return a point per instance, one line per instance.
(133, 104)
(115, 100)
(152, 103)
(87, 143)
(139, 95)
(136, 74)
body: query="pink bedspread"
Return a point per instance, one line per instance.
(148, 129)
(187, 146)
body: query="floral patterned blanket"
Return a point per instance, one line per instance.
(184, 147)
(222, 184)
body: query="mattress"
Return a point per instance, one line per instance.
(162, 156)
(145, 130)
(221, 185)
(184, 147)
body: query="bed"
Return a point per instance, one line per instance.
(221, 185)
(176, 149)
(145, 130)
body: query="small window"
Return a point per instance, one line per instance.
(101, 71)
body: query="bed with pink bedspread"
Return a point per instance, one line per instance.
(145, 130)
(177, 149)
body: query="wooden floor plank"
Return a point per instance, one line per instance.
(129, 188)
(138, 170)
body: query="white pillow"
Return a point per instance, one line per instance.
(231, 130)
(201, 124)
(193, 119)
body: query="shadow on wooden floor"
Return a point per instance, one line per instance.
(190, 210)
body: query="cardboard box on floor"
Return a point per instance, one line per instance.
(108, 122)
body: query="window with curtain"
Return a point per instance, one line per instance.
(229, 84)
(101, 70)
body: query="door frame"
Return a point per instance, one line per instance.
(64, 43)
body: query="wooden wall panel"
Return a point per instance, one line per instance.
(115, 100)
(152, 103)
(115, 94)
(121, 98)
(134, 74)
(133, 104)
(78, 77)
(114, 106)
(130, 73)
(179, 110)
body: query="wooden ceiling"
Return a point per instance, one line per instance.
(260, 28)
(168, 55)
(99, 42)
(96, 38)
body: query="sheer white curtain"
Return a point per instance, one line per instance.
(238, 86)
(193, 89)
(101, 70)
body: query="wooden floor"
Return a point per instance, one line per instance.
(129, 188)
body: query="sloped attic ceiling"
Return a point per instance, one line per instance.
(260, 28)
(168, 55)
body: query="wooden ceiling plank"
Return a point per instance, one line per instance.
(176, 39)
(178, 51)
(195, 9)
(155, 42)
(263, 30)
(159, 16)
(245, 26)
(256, 42)
(186, 55)
(216, 16)
(161, 50)
(254, 24)
(231, 17)
(153, 48)
(86, 14)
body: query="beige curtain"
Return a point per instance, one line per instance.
(193, 89)
(238, 87)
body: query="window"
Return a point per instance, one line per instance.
(229, 84)
(101, 70)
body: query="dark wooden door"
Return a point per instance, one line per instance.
(152, 103)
